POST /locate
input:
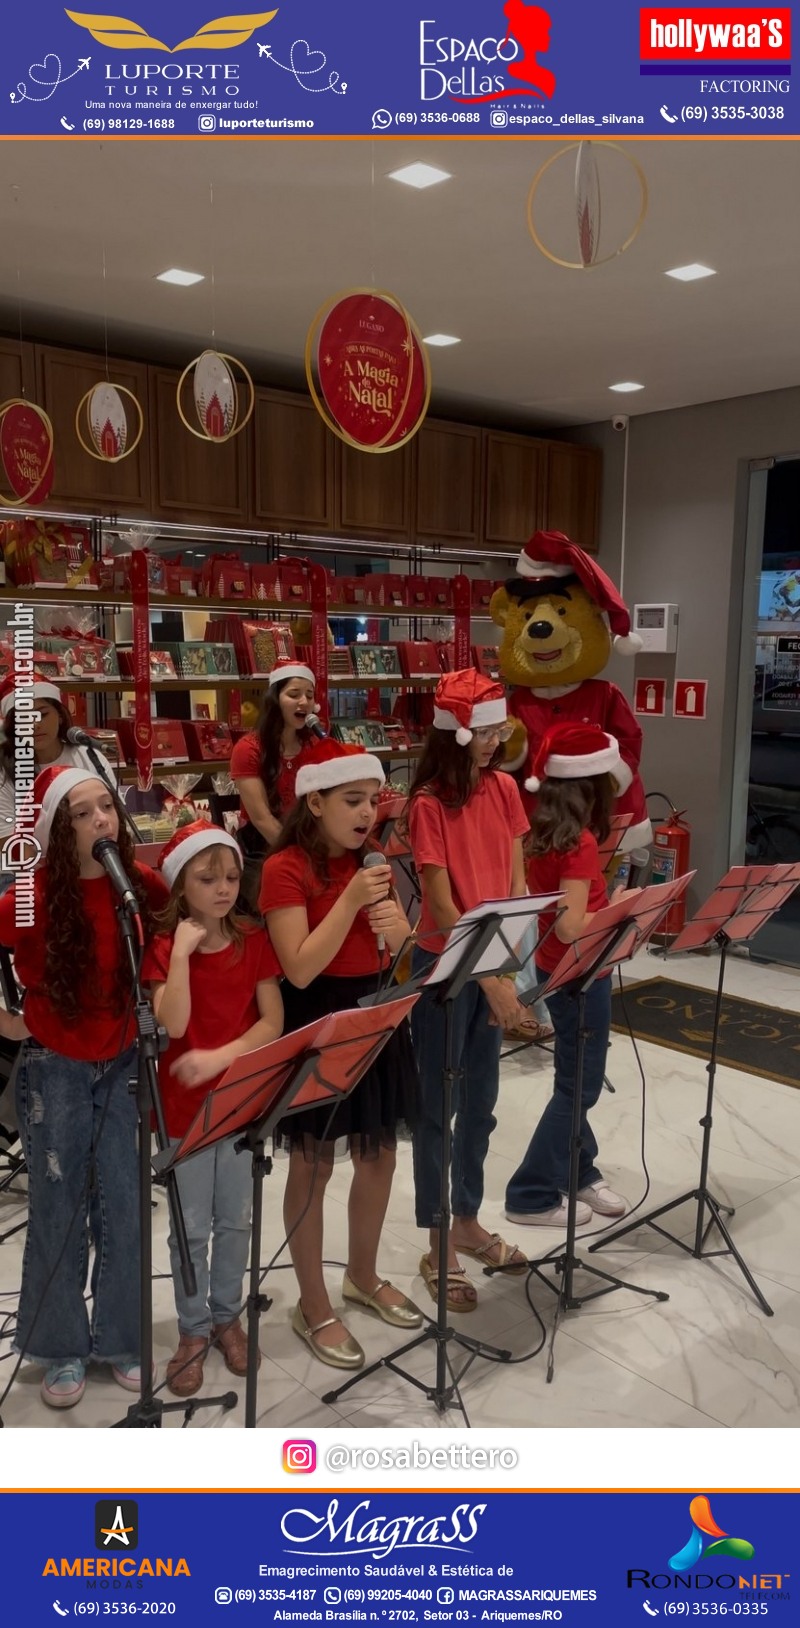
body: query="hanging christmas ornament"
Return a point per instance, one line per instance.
(101, 423)
(216, 396)
(26, 452)
(367, 370)
(587, 205)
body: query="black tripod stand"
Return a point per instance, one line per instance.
(14, 1162)
(477, 947)
(149, 1410)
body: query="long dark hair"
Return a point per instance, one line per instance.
(7, 743)
(70, 957)
(446, 769)
(565, 808)
(301, 829)
(269, 730)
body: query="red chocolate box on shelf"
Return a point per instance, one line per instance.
(418, 658)
(225, 576)
(208, 740)
(486, 657)
(429, 593)
(482, 590)
(282, 583)
(258, 645)
(169, 743)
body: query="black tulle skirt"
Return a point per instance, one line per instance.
(381, 1110)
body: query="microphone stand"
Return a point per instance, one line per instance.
(92, 752)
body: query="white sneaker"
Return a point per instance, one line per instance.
(556, 1217)
(602, 1200)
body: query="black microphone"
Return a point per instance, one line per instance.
(79, 737)
(640, 859)
(313, 724)
(373, 858)
(106, 853)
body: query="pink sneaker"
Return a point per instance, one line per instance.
(602, 1199)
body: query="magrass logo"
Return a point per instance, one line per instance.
(704, 1526)
(116, 1524)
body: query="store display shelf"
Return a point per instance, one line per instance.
(160, 686)
(377, 681)
(128, 775)
(120, 599)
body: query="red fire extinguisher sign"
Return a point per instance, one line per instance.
(689, 700)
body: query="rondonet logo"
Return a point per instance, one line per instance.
(715, 34)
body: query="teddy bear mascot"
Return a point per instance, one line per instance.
(560, 615)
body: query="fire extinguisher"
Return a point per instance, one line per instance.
(671, 849)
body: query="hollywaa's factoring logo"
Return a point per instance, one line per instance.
(527, 37)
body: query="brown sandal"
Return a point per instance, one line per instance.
(531, 1031)
(185, 1369)
(467, 1300)
(496, 1252)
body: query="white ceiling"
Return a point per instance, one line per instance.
(283, 225)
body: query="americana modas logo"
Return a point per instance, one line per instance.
(222, 34)
(116, 1525)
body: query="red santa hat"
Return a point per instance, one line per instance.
(549, 555)
(40, 689)
(331, 763)
(574, 752)
(50, 788)
(190, 840)
(284, 670)
(466, 701)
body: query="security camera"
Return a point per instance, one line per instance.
(619, 421)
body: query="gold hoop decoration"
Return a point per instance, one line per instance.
(588, 205)
(26, 452)
(375, 369)
(212, 369)
(107, 423)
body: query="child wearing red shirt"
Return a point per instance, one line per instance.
(574, 775)
(466, 824)
(326, 916)
(77, 1115)
(264, 765)
(214, 978)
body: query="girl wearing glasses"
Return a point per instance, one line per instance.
(466, 825)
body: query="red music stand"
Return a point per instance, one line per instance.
(611, 844)
(322, 1062)
(741, 902)
(613, 936)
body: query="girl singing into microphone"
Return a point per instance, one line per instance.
(76, 1111)
(326, 915)
(264, 765)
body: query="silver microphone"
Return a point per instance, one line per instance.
(106, 853)
(79, 737)
(639, 860)
(373, 858)
(313, 724)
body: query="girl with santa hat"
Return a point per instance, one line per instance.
(76, 1110)
(214, 979)
(576, 775)
(334, 925)
(466, 824)
(264, 765)
(50, 722)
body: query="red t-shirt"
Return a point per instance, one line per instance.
(100, 1032)
(547, 873)
(288, 879)
(222, 988)
(474, 844)
(246, 765)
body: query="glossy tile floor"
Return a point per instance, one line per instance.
(707, 1357)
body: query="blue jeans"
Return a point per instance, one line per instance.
(476, 1050)
(60, 1103)
(543, 1175)
(216, 1192)
(527, 978)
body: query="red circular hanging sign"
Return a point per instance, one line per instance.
(26, 450)
(372, 371)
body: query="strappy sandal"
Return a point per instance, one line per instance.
(496, 1252)
(468, 1298)
(531, 1031)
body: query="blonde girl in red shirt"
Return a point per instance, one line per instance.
(325, 914)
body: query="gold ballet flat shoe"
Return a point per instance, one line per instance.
(406, 1315)
(348, 1354)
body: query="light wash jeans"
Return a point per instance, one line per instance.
(60, 1103)
(216, 1190)
(528, 977)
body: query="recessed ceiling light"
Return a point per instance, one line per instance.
(183, 278)
(441, 339)
(690, 274)
(420, 175)
(625, 388)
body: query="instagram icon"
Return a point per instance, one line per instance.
(299, 1457)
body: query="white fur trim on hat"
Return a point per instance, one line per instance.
(62, 785)
(623, 774)
(338, 771)
(482, 714)
(41, 690)
(628, 644)
(293, 669)
(191, 846)
(542, 568)
(606, 761)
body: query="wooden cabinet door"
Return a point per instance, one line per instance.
(373, 497)
(17, 379)
(572, 503)
(448, 484)
(294, 458)
(194, 479)
(514, 484)
(63, 378)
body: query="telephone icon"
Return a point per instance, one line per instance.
(67, 127)
(60, 1609)
(652, 1611)
(665, 114)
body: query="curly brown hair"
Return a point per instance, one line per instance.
(565, 808)
(270, 734)
(70, 957)
(233, 926)
(446, 769)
